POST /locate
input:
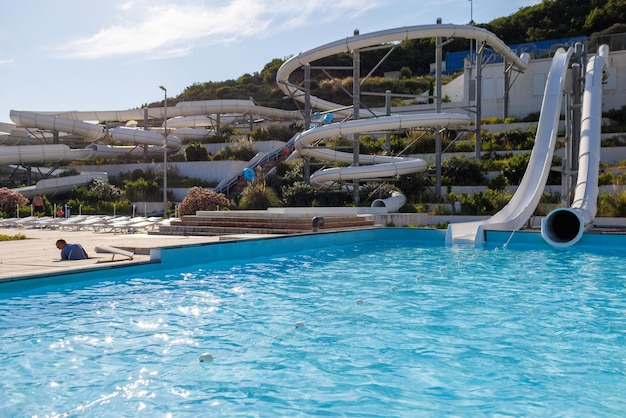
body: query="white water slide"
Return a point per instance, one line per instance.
(526, 198)
(380, 166)
(564, 227)
(74, 123)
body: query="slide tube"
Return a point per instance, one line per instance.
(380, 37)
(33, 154)
(564, 227)
(383, 166)
(392, 204)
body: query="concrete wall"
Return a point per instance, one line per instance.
(611, 156)
(260, 146)
(213, 171)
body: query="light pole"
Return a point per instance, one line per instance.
(471, 12)
(164, 152)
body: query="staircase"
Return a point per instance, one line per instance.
(248, 222)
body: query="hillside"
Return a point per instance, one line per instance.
(551, 19)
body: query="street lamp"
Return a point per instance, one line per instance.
(164, 153)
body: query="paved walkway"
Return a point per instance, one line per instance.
(38, 255)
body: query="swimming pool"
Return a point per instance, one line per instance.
(388, 323)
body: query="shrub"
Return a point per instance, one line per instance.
(297, 193)
(11, 200)
(196, 152)
(199, 198)
(259, 196)
(461, 172)
(243, 153)
(515, 169)
(16, 237)
(487, 203)
(142, 190)
(96, 191)
(606, 178)
(612, 204)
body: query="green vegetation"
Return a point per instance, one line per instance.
(4, 237)
(551, 19)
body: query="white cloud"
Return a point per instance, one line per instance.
(173, 28)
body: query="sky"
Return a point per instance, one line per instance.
(114, 54)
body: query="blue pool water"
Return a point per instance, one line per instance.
(378, 328)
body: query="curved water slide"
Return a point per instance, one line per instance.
(564, 227)
(380, 166)
(527, 196)
(74, 123)
(375, 38)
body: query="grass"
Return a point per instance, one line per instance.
(4, 237)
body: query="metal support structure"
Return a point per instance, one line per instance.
(573, 113)
(145, 127)
(479, 88)
(356, 101)
(388, 113)
(581, 60)
(306, 166)
(438, 147)
(164, 152)
(507, 81)
(307, 96)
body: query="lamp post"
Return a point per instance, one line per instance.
(164, 152)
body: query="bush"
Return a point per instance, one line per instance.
(258, 196)
(487, 203)
(16, 237)
(196, 152)
(199, 198)
(461, 172)
(612, 205)
(515, 169)
(243, 153)
(96, 191)
(142, 190)
(10, 201)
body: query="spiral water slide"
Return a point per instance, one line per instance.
(564, 227)
(380, 166)
(526, 198)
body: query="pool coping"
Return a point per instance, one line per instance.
(172, 253)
